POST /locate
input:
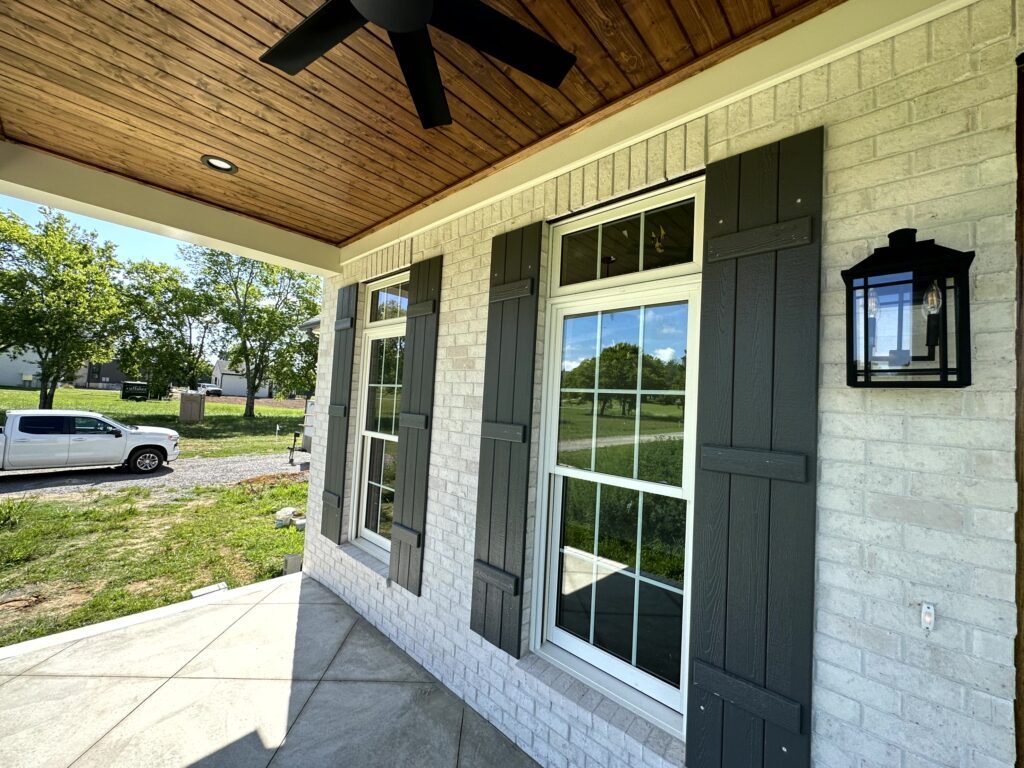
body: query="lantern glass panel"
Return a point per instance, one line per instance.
(903, 329)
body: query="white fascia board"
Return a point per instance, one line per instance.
(46, 179)
(836, 33)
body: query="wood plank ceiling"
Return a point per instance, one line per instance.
(143, 88)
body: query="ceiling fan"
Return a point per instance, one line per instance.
(471, 21)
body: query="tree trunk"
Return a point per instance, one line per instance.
(47, 389)
(250, 402)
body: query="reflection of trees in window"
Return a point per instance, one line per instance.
(619, 371)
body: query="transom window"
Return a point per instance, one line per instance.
(381, 394)
(618, 453)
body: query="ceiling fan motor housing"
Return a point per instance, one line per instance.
(396, 15)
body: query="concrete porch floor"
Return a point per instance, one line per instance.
(284, 675)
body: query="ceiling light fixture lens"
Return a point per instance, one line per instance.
(219, 164)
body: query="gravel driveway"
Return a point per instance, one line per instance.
(184, 473)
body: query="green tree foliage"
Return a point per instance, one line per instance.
(259, 305)
(618, 370)
(293, 367)
(172, 327)
(59, 294)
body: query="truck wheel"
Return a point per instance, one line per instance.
(143, 461)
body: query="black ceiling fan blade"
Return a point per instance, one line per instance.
(497, 35)
(415, 55)
(327, 26)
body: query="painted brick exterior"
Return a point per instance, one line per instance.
(916, 497)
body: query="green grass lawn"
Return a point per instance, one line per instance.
(66, 563)
(223, 433)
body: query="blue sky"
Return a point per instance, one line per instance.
(664, 333)
(132, 244)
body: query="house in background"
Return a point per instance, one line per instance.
(20, 371)
(100, 375)
(232, 382)
(585, 443)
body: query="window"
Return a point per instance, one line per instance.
(381, 391)
(42, 425)
(639, 236)
(89, 426)
(618, 442)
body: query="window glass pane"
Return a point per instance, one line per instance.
(383, 399)
(664, 360)
(86, 426)
(42, 425)
(661, 439)
(620, 247)
(613, 611)
(616, 434)
(579, 257)
(620, 346)
(575, 579)
(616, 538)
(579, 505)
(579, 351)
(390, 302)
(668, 235)
(381, 469)
(659, 632)
(663, 539)
(575, 429)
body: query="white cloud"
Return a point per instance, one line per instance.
(665, 354)
(570, 365)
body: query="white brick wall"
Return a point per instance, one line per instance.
(916, 495)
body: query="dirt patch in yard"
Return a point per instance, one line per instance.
(37, 598)
(261, 402)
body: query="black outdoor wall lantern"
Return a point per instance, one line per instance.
(908, 316)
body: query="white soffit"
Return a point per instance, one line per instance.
(836, 33)
(46, 179)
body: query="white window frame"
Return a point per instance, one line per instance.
(693, 189)
(371, 542)
(637, 690)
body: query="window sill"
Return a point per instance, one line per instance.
(364, 554)
(655, 713)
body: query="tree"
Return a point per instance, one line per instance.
(293, 368)
(59, 296)
(259, 304)
(172, 328)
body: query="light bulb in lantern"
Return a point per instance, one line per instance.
(932, 302)
(872, 304)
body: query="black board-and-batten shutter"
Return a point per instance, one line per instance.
(749, 697)
(414, 424)
(338, 411)
(503, 489)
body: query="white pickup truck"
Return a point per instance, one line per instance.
(60, 439)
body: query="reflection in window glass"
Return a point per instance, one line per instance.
(620, 247)
(660, 449)
(579, 350)
(620, 344)
(604, 599)
(668, 236)
(637, 429)
(381, 458)
(579, 257)
(384, 391)
(575, 429)
(390, 302)
(646, 241)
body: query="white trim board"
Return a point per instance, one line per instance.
(852, 26)
(37, 176)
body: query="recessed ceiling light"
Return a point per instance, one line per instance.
(219, 164)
